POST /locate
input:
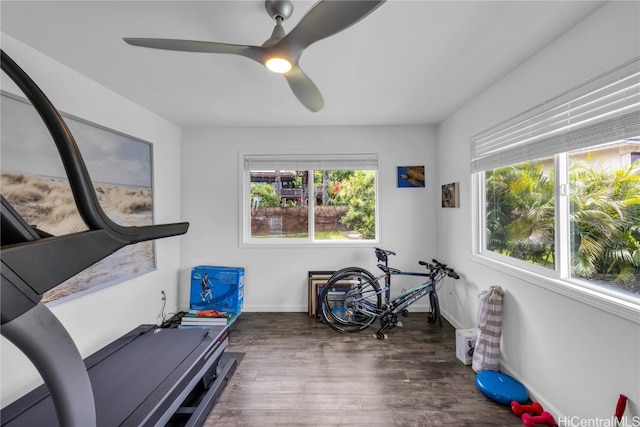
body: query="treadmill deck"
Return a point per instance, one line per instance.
(140, 379)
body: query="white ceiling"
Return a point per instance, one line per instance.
(409, 62)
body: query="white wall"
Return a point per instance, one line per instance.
(575, 358)
(276, 278)
(98, 318)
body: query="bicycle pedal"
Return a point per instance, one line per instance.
(399, 325)
(383, 337)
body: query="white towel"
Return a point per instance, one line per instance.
(486, 355)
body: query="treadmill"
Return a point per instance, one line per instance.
(151, 376)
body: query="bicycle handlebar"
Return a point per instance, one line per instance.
(437, 266)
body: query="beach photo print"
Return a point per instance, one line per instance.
(35, 183)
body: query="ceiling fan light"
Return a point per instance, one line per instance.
(278, 65)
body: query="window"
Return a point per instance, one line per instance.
(557, 189)
(520, 211)
(309, 198)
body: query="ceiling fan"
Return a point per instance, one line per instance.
(281, 52)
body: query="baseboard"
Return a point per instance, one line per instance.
(258, 308)
(416, 308)
(449, 318)
(534, 395)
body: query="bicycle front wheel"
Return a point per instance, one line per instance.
(350, 301)
(433, 315)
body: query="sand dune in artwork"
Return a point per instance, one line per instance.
(47, 203)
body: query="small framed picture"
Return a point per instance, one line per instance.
(450, 195)
(411, 176)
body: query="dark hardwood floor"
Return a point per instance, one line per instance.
(297, 371)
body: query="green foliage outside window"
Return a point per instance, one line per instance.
(359, 193)
(520, 222)
(604, 219)
(352, 188)
(605, 223)
(266, 195)
(328, 184)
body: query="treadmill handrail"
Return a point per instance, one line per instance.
(24, 320)
(85, 197)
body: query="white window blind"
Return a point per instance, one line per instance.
(310, 161)
(604, 109)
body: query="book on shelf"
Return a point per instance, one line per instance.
(194, 318)
(204, 314)
(181, 326)
(212, 321)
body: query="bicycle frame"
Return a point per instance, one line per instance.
(369, 297)
(405, 299)
(401, 302)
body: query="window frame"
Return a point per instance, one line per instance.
(245, 239)
(557, 279)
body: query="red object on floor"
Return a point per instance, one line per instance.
(620, 407)
(518, 409)
(533, 420)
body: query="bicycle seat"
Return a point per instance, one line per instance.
(389, 270)
(382, 254)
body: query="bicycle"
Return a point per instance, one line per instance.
(353, 297)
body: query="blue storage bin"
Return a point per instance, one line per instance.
(217, 288)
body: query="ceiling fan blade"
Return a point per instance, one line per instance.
(327, 18)
(256, 53)
(304, 89)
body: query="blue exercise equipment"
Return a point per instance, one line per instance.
(501, 388)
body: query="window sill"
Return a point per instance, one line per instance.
(625, 308)
(293, 244)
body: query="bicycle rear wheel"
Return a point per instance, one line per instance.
(350, 301)
(353, 270)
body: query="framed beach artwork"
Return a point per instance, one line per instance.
(411, 176)
(36, 185)
(450, 195)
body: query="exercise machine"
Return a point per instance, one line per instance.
(151, 376)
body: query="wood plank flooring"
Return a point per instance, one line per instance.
(299, 372)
